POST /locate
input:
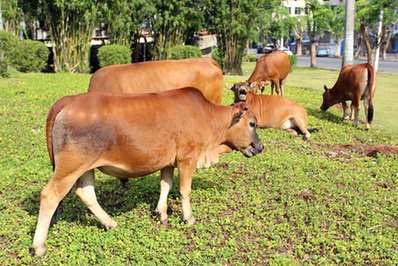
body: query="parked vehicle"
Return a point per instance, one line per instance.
(322, 52)
(286, 50)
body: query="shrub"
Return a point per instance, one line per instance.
(34, 57)
(249, 58)
(113, 55)
(218, 55)
(293, 60)
(185, 51)
(8, 43)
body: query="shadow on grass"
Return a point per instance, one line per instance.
(325, 115)
(114, 197)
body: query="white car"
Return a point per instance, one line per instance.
(286, 50)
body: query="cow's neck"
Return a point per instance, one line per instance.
(251, 102)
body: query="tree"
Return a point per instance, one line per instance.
(171, 23)
(275, 22)
(318, 21)
(337, 26)
(368, 16)
(71, 25)
(235, 22)
(298, 28)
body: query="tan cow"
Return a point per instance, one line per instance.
(355, 83)
(135, 135)
(202, 73)
(271, 68)
(273, 111)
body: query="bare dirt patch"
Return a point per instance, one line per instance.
(364, 150)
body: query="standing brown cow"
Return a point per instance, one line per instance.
(127, 135)
(203, 74)
(271, 68)
(355, 83)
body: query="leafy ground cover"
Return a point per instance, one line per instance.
(332, 200)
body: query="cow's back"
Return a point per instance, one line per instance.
(355, 77)
(146, 77)
(270, 65)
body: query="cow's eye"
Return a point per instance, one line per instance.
(252, 124)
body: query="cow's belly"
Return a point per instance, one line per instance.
(124, 172)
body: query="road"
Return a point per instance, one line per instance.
(388, 67)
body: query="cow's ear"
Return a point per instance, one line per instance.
(326, 88)
(239, 115)
(229, 87)
(252, 85)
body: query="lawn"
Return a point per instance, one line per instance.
(332, 200)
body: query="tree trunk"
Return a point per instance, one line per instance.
(348, 52)
(299, 46)
(313, 51)
(337, 51)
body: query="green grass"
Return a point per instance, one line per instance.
(327, 201)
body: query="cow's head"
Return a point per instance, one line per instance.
(240, 90)
(327, 99)
(241, 134)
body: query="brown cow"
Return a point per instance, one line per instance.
(273, 111)
(355, 83)
(271, 68)
(135, 135)
(202, 73)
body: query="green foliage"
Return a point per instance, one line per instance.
(171, 24)
(326, 201)
(249, 58)
(185, 51)
(235, 23)
(293, 60)
(218, 55)
(113, 55)
(34, 57)
(8, 42)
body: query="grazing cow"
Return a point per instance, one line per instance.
(135, 135)
(203, 74)
(355, 83)
(273, 111)
(271, 68)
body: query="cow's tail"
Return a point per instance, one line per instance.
(52, 114)
(372, 82)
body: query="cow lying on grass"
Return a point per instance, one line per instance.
(204, 74)
(135, 135)
(355, 83)
(273, 111)
(271, 68)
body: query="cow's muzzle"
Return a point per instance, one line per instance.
(242, 95)
(253, 149)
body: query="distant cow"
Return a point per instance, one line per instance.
(135, 135)
(272, 111)
(355, 83)
(202, 73)
(271, 68)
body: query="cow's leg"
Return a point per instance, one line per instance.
(272, 88)
(185, 179)
(345, 116)
(366, 107)
(355, 107)
(283, 86)
(85, 191)
(56, 189)
(166, 183)
(352, 112)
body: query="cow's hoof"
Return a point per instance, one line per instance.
(38, 252)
